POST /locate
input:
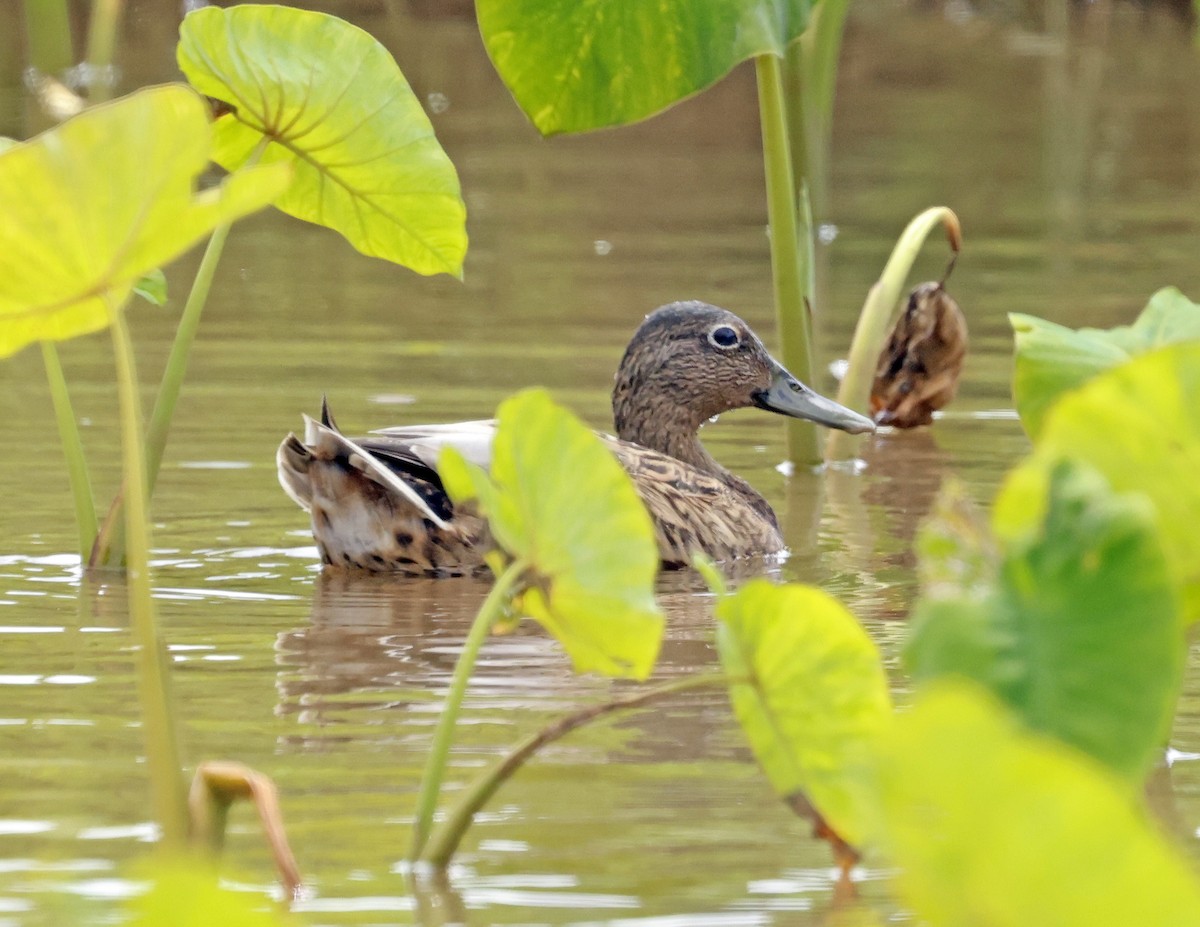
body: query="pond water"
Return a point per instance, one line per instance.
(1072, 158)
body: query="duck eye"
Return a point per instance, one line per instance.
(723, 337)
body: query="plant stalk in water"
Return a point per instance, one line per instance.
(162, 752)
(445, 840)
(72, 443)
(791, 247)
(435, 769)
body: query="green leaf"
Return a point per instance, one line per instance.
(1052, 359)
(152, 287)
(1140, 427)
(816, 700)
(575, 65)
(994, 827)
(557, 500)
(333, 104)
(1075, 625)
(119, 181)
(186, 894)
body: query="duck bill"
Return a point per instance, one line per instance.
(788, 396)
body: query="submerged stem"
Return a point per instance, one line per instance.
(162, 752)
(72, 443)
(435, 769)
(791, 247)
(445, 840)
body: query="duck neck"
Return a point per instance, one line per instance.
(665, 425)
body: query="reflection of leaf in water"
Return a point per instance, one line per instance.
(918, 370)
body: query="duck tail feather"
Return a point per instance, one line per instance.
(323, 441)
(291, 466)
(326, 415)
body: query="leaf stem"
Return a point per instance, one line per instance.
(791, 247)
(445, 840)
(48, 27)
(162, 752)
(102, 40)
(435, 769)
(72, 443)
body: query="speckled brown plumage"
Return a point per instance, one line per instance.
(377, 504)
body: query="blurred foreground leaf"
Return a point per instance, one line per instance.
(994, 827)
(816, 700)
(575, 65)
(185, 893)
(333, 104)
(1075, 625)
(119, 210)
(557, 500)
(1052, 359)
(1139, 425)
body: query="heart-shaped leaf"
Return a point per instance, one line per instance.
(810, 693)
(1139, 425)
(1052, 359)
(331, 102)
(994, 827)
(557, 500)
(1076, 627)
(119, 180)
(575, 65)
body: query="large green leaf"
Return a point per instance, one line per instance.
(574, 65)
(814, 699)
(1078, 626)
(557, 499)
(994, 827)
(1051, 359)
(93, 204)
(186, 894)
(330, 101)
(1140, 426)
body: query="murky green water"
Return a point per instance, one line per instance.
(1075, 171)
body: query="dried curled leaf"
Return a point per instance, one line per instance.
(918, 370)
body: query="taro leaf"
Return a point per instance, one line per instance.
(994, 827)
(816, 699)
(1051, 359)
(332, 102)
(1078, 628)
(186, 894)
(557, 499)
(575, 65)
(6, 142)
(119, 181)
(1140, 426)
(152, 287)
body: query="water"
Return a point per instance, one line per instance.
(1074, 173)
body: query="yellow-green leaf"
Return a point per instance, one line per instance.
(994, 827)
(119, 182)
(810, 693)
(557, 500)
(1074, 624)
(186, 894)
(1139, 425)
(1052, 359)
(331, 101)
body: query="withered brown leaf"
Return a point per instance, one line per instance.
(917, 372)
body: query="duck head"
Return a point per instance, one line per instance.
(690, 361)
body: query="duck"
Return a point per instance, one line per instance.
(377, 504)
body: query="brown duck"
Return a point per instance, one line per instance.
(377, 503)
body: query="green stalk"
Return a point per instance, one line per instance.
(445, 840)
(791, 248)
(435, 769)
(811, 76)
(102, 41)
(162, 752)
(872, 328)
(72, 443)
